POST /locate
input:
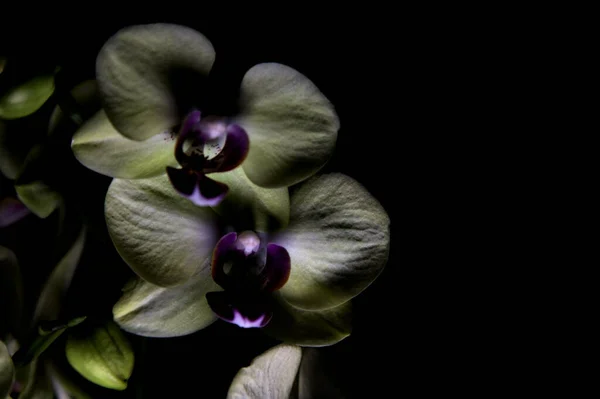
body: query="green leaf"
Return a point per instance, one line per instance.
(36, 383)
(39, 198)
(271, 375)
(49, 327)
(338, 241)
(11, 292)
(7, 371)
(162, 236)
(29, 353)
(152, 311)
(48, 333)
(250, 207)
(291, 125)
(51, 299)
(99, 147)
(145, 71)
(103, 356)
(309, 328)
(27, 98)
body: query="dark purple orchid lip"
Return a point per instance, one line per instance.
(212, 146)
(247, 312)
(228, 143)
(249, 271)
(200, 189)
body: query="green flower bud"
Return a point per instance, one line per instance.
(103, 356)
(27, 98)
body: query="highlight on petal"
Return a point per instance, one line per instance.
(152, 311)
(27, 98)
(7, 371)
(245, 312)
(99, 147)
(292, 126)
(309, 328)
(271, 375)
(201, 190)
(11, 210)
(145, 71)
(338, 241)
(163, 237)
(11, 292)
(39, 198)
(250, 207)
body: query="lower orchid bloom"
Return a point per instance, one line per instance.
(152, 83)
(259, 259)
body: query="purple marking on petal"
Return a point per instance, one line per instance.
(277, 269)
(244, 322)
(220, 257)
(233, 153)
(196, 187)
(208, 192)
(12, 210)
(247, 312)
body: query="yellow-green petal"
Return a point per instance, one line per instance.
(338, 240)
(162, 236)
(99, 147)
(152, 311)
(145, 71)
(309, 327)
(103, 355)
(292, 126)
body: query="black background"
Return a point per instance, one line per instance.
(385, 81)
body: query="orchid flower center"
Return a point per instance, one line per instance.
(206, 145)
(249, 269)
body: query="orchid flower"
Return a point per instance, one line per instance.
(151, 81)
(259, 259)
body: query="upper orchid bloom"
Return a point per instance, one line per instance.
(151, 83)
(259, 259)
